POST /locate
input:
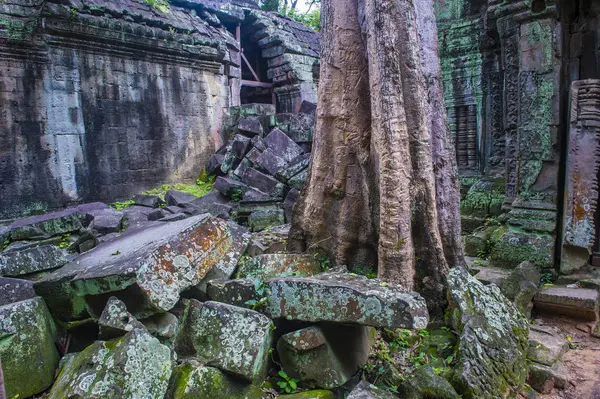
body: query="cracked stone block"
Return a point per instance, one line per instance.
(266, 218)
(546, 345)
(27, 350)
(274, 265)
(296, 166)
(193, 381)
(331, 297)
(234, 339)
(491, 358)
(146, 269)
(324, 356)
(579, 303)
(15, 290)
(282, 145)
(365, 390)
(177, 198)
(31, 260)
(136, 365)
(115, 320)
(151, 201)
(267, 161)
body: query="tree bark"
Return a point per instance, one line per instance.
(381, 150)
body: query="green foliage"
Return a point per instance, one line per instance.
(269, 5)
(160, 5)
(237, 195)
(547, 278)
(64, 241)
(199, 189)
(260, 288)
(323, 261)
(119, 206)
(368, 271)
(5, 244)
(311, 19)
(287, 384)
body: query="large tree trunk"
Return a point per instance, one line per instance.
(380, 151)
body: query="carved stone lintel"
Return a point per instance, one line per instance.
(583, 163)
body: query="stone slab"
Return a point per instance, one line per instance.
(15, 290)
(274, 265)
(147, 268)
(31, 260)
(545, 345)
(579, 303)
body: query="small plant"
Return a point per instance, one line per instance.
(547, 279)
(160, 5)
(64, 241)
(119, 206)
(237, 195)
(287, 384)
(323, 261)
(260, 289)
(5, 244)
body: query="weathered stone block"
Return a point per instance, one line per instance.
(298, 180)
(263, 183)
(269, 241)
(136, 365)
(151, 201)
(177, 198)
(27, 351)
(250, 125)
(274, 265)
(425, 383)
(580, 303)
(282, 145)
(31, 260)
(263, 219)
(365, 390)
(544, 378)
(107, 221)
(331, 297)
(147, 268)
(213, 166)
(230, 187)
(15, 290)
(192, 381)
(326, 356)
(545, 345)
(491, 357)
(176, 217)
(157, 214)
(234, 339)
(269, 162)
(115, 320)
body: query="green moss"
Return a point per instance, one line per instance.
(315, 394)
(119, 206)
(199, 189)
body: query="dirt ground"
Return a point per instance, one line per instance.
(582, 361)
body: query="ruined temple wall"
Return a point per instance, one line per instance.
(98, 107)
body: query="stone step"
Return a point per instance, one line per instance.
(578, 303)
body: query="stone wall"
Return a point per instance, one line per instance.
(101, 99)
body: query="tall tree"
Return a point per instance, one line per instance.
(382, 187)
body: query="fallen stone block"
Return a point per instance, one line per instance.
(241, 168)
(136, 365)
(213, 166)
(332, 297)
(214, 196)
(274, 265)
(295, 166)
(177, 198)
(365, 390)
(193, 381)
(15, 290)
(491, 356)
(326, 356)
(255, 195)
(137, 215)
(115, 320)
(263, 183)
(282, 145)
(162, 326)
(313, 394)
(240, 146)
(299, 127)
(264, 219)
(425, 383)
(268, 162)
(157, 214)
(545, 345)
(544, 378)
(31, 260)
(250, 126)
(269, 241)
(233, 339)
(253, 155)
(230, 188)
(492, 275)
(147, 269)
(579, 303)
(225, 267)
(151, 201)
(107, 221)
(27, 350)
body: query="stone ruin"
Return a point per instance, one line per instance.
(179, 296)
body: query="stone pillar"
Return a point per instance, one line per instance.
(531, 45)
(583, 161)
